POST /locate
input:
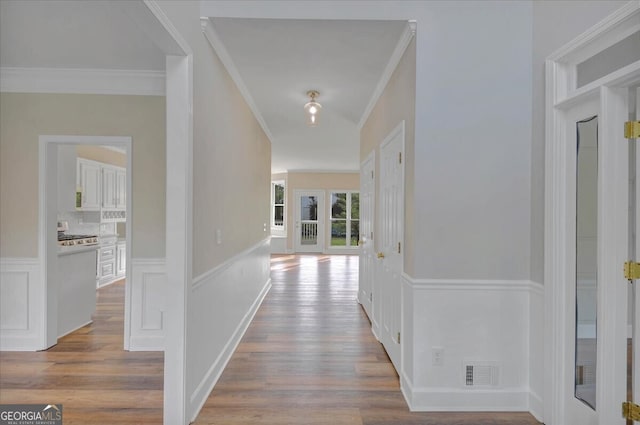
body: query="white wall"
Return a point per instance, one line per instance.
(554, 24)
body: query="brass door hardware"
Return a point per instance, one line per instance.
(632, 130)
(630, 411)
(380, 255)
(631, 270)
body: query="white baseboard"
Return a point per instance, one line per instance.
(215, 371)
(461, 400)
(21, 292)
(536, 406)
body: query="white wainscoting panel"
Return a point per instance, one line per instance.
(21, 295)
(279, 245)
(148, 288)
(472, 322)
(221, 306)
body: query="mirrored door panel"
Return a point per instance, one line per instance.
(586, 260)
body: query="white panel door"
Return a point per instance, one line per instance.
(391, 241)
(309, 205)
(367, 249)
(634, 291)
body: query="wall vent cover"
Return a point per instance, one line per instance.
(481, 374)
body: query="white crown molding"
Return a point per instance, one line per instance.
(311, 171)
(216, 43)
(394, 60)
(82, 81)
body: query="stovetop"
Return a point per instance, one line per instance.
(74, 237)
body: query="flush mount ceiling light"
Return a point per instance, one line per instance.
(312, 108)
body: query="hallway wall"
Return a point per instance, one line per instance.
(231, 193)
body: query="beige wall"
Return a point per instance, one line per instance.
(24, 117)
(320, 181)
(104, 155)
(397, 103)
(231, 154)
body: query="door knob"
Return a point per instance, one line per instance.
(380, 255)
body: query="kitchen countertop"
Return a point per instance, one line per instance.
(67, 250)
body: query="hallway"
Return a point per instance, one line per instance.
(309, 357)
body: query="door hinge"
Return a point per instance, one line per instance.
(371, 174)
(371, 235)
(371, 296)
(398, 247)
(630, 411)
(400, 157)
(398, 337)
(631, 270)
(632, 130)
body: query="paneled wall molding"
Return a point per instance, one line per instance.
(148, 292)
(21, 320)
(474, 284)
(82, 81)
(224, 300)
(207, 276)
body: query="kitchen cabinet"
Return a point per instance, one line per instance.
(114, 190)
(106, 264)
(89, 185)
(121, 188)
(67, 165)
(121, 259)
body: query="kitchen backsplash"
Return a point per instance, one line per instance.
(81, 223)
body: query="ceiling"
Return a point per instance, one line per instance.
(278, 61)
(74, 34)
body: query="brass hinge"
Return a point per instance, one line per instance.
(398, 247)
(400, 157)
(630, 411)
(632, 130)
(398, 337)
(631, 270)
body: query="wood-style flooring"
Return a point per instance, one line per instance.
(89, 373)
(308, 357)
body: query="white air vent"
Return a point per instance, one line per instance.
(481, 374)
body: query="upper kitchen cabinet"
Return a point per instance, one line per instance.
(66, 178)
(114, 188)
(89, 182)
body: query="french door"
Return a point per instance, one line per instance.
(309, 228)
(600, 331)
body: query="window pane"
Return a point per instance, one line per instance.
(309, 207)
(355, 232)
(278, 194)
(338, 233)
(338, 205)
(278, 216)
(355, 206)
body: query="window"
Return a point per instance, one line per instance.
(345, 219)
(277, 207)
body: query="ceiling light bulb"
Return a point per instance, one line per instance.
(312, 108)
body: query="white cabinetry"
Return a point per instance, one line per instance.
(106, 264)
(121, 259)
(67, 179)
(89, 185)
(114, 193)
(121, 188)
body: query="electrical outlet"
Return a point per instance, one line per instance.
(437, 356)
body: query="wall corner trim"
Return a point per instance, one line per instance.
(394, 60)
(214, 40)
(82, 81)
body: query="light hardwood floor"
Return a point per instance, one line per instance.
(308, 357)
